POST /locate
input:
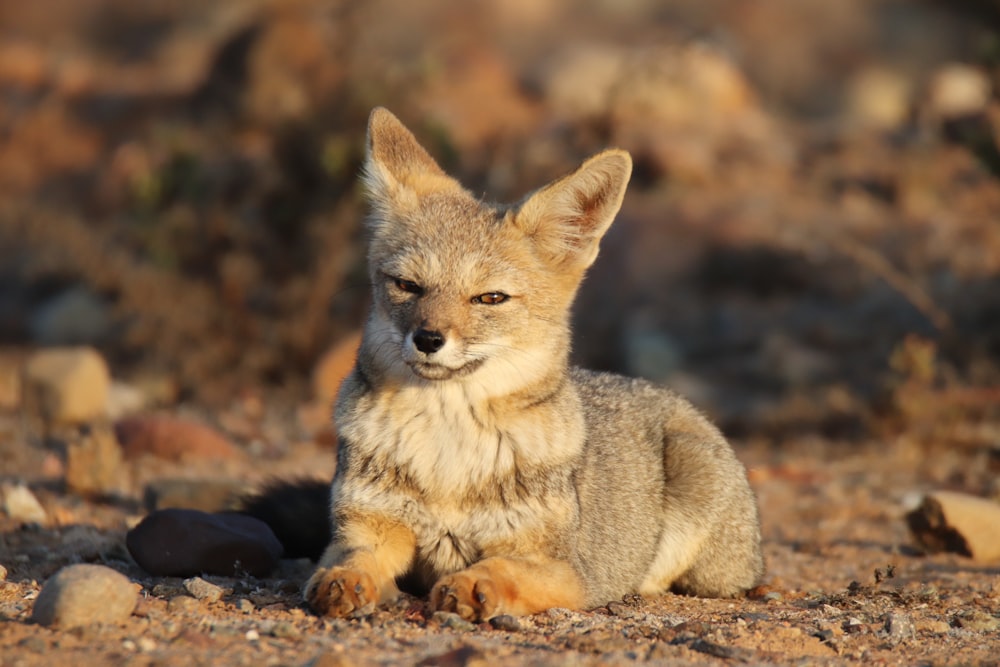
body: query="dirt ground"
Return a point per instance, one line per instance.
(809, 249)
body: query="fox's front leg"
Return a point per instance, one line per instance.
(518, 587)
(359, 568)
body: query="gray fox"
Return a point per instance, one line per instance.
(474, 462)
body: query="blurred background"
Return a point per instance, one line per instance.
(810, 244)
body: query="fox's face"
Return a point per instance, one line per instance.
(466, 289)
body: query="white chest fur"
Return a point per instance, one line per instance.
(449, 440)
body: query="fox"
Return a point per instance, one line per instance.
(474, 462)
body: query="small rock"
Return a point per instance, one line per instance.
(621, 610)
(20, 504)
(959, 523)
(899, 626)
(449, 620)
(94, 464)
(958, 90)
(67, 385)
(183, 543)
(934, 626)
(84, 594)
(146, 645)
(246, 606)
(203, 590)
(854, 626)
(977, 621)
(3, 573)
(506, 622)
(173, 439)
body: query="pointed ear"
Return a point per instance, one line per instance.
(397, 167)
(568, 217)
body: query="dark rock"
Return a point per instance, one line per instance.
(184, 543)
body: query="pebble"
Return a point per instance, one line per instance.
(3, 573)
(84, 594)
(246, 606)
(854, 626)
(899, 626)
(506, 622)
(203, 590)
(94, 464)
(173, 439)
(977, 621)
(934, 626)
(67, 385)
(958, 90)
(448, 619)
(20, 504)
(184, 543)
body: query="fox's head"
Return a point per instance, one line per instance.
(468, 290)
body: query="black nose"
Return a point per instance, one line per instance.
(428, 342)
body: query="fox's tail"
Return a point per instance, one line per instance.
(298, 512)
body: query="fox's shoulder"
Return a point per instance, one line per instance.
(613, 401)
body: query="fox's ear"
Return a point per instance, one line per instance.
(568, 217)
(397, 167)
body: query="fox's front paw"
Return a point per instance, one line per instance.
(340, 592)
(472, 597)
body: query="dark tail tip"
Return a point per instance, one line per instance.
(298, 512)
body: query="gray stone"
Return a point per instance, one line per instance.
(85, 594)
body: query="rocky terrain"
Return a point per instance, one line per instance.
(809, 249)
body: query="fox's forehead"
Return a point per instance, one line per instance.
(454, 241)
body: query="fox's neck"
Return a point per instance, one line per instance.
(457, 434)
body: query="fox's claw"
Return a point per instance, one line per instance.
(339, 592)
(472, 598)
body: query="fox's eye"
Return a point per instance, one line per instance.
(408, 286)
(490, 298)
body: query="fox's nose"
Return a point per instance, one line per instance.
(428, 342)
